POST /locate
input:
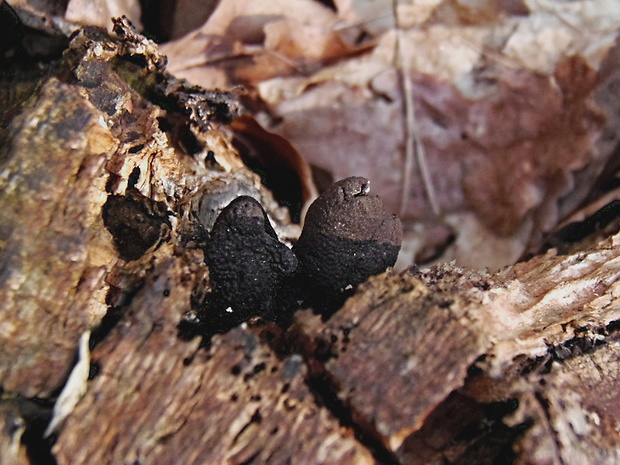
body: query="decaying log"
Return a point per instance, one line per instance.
(171, 402)
(541, 340)
(111, 176)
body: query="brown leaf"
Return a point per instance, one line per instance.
(100, 12)
(245, 41)
(478, 119)
(281, 167)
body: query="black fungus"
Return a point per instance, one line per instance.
(135, 224)
(348, 236)
(249, 267)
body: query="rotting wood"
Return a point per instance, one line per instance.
(157, 399)
(538, 342)
(84, 139)
(438, 366)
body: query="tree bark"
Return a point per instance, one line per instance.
(110, 175)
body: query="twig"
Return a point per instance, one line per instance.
(414, 149)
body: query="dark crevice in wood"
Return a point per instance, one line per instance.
(613, 329)
(461, 431)
(39, 450)
(327, 397)
(37, 414)
(118, 301)
(286, 344)
(109, 321)
(571, 348)
(136, 224)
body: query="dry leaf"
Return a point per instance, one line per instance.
(479, 118)
(100, 12)
(74, 388)
(178, 17)
(282, 169)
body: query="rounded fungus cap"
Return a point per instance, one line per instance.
(247, 263)
(348, 236)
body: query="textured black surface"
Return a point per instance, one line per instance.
(248, 265)
(331, 272)
(134, 226)
(348, 237)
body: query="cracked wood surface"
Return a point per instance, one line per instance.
(533, 334)
(159, 400)
(79, 140)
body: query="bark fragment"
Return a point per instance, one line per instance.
(88, 139)
(53, 244)
(161, 400)
(425, 359)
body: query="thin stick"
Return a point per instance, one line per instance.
(414, 149)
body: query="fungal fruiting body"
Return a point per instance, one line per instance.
(248, 265)
(348, 236)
